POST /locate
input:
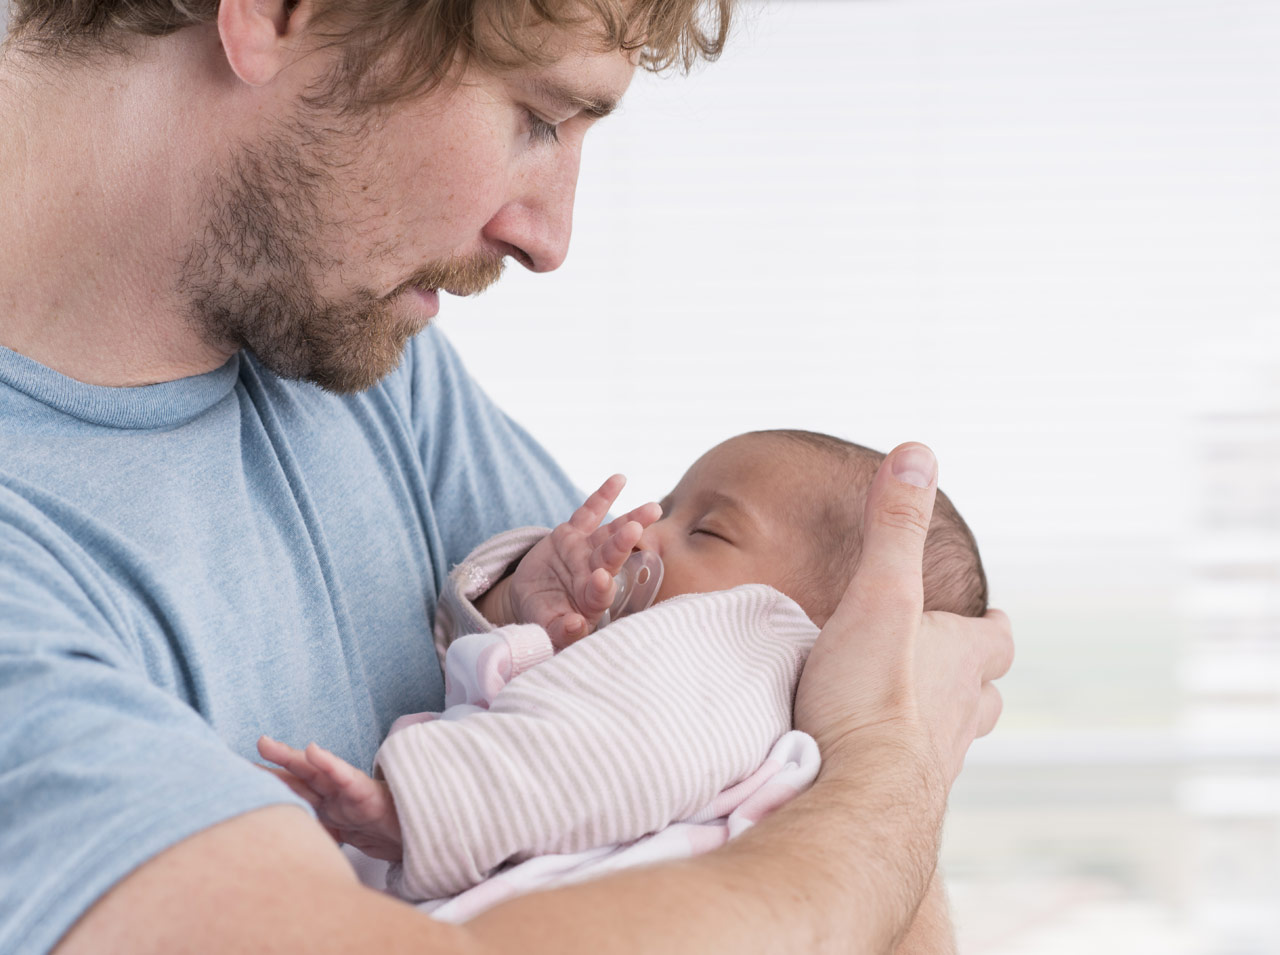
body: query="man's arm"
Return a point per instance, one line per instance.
(272, 881)
(931, 932)
(893, 697)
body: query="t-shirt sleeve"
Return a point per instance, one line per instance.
(100, 768)
(485, 473)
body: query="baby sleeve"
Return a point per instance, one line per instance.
(456, 613)
(479, 665)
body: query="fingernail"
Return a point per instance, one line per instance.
(915, 465)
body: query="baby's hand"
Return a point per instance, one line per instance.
(566, 582)
(353, 806)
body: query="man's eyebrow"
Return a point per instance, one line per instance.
(596, 105)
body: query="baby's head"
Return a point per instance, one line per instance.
(785, 508)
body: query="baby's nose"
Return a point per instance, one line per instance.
(651, 539)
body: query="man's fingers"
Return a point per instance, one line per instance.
(898, 509)
(588, 517)
(990, 706)
(999, 644)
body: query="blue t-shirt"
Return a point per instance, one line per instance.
(187, 565)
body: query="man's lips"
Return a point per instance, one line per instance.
(458, 290)
(428, 299)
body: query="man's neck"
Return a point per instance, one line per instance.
(100, 168)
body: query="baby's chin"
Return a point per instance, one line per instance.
(818, 615)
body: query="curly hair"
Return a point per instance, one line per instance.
(393, 49)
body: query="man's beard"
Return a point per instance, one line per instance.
(250, 279)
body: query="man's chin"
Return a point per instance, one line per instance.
(343, 365)
(342, 347)
(347, 376)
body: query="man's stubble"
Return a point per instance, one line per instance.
(250, 279)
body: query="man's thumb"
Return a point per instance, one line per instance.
(895, 524)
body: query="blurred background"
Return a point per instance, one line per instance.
(1044, 237)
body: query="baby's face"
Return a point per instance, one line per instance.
(730, 520)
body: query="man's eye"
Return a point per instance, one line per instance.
(540, 130)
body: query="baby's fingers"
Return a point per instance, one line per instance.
(299, 787)
(613, 552)
(598, 592)
(334, 776)
(282, 754)
(588, 517)
(644, 515)
(567, 629)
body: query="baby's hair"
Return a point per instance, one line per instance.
(954, 579)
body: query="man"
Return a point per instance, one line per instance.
(230, 453)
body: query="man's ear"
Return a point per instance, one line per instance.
(260, 37)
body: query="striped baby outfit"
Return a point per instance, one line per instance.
(554, 768)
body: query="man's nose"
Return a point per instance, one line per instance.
(534, 227)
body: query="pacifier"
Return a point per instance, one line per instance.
(638, 584)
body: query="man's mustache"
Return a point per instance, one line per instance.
(460, 275)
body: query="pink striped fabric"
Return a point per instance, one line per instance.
(791, 767)
(633, 728)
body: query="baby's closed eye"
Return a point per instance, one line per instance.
(708, 532)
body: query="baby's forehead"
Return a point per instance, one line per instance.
(813, 474)
(783, 478)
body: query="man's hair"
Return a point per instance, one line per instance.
(954, 579)
(392, 49)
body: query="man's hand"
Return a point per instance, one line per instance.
(884, 670)
(354, 807)
(565, 582)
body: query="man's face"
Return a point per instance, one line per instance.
(736, 517)
(327, 240)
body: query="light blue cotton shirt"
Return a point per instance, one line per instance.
(185, 566)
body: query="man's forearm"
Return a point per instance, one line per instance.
(839, 869)
(931, 931)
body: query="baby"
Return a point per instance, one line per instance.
(663, 735)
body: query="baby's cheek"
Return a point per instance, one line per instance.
(704, 578)
(673, 585)
(817, 596)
